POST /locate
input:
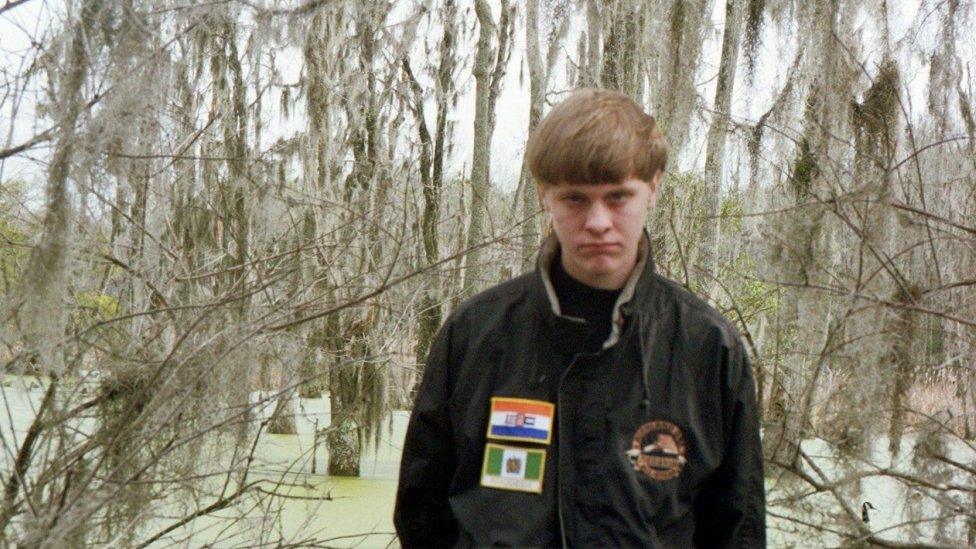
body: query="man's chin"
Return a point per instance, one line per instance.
(601, 269)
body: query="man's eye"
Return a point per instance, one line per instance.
(574, 199)
(617, 197)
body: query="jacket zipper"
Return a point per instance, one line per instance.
(559, 421)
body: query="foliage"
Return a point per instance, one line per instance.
(244, 206)
(14, 240)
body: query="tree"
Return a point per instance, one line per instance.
(714, 157)
(432, 158)
(488, 70)
(540, 71)
(210, 215)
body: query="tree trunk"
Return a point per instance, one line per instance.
(343, 441)
(341, 437)
(806, 243)
(538, 78)
(539, 72)
(686, 25)
(715, 152)
(282, 420)
(502, 55)
(481, 150)
(903, 333)
(41, 313)
(345, 392)
(312, 369)
(594, 37)
(431, 177)
(621, 68)
(358, 396)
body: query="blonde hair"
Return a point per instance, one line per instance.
(596, 136)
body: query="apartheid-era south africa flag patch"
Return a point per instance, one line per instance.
(513, 468)
(521, 419)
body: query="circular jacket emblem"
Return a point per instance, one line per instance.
(658, 450)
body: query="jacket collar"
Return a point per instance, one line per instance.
(633, 296)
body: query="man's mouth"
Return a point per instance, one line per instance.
(599, 248)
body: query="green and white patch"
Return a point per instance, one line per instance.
(513, 468)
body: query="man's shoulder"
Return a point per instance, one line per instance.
(694, 312)
(493, 303)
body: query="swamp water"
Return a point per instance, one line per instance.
(337, 511)
(356, 512)
(344, 510)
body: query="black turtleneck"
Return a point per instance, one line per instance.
(577, 299)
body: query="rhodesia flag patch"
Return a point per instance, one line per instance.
(521, 419)
(513, 468)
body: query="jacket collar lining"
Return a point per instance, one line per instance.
(548, 252)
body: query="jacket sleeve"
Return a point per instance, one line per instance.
(730, 510)
(422, 515)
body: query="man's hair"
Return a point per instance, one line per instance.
(596, 136)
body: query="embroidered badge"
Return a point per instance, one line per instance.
(521, 419)
(658, 450)
(513, 468)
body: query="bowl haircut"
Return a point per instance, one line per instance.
(596, 136)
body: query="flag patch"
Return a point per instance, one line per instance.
(521, 419)
(513, 468)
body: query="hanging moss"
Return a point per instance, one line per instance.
(904, 324)
(286, 102)
(875, 119)
(127, 449)
(805, 168)
(966, 111)
(754, 21)
(621, 59)
(677, 24)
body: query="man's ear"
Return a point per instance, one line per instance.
(655, 184)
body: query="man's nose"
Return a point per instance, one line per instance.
(598, 219)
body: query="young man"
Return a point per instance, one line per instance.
(590, 402)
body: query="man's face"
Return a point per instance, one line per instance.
(599, 227)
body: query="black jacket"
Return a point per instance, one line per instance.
(655, 439)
